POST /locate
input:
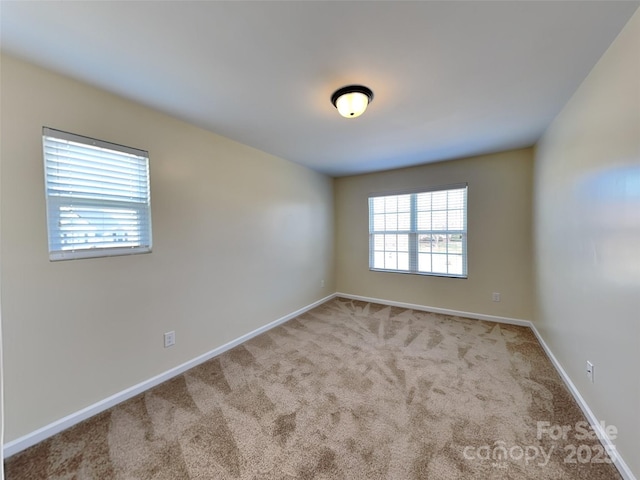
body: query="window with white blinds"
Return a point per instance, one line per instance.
(420, 232)
(98, 197)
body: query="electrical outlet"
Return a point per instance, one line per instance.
(495, 297)
(321, 283)
(590, 371)
(169, 339)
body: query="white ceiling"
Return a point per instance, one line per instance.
(450, 78)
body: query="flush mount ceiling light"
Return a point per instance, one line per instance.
(352, 101)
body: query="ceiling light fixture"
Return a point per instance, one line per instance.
(352, 101)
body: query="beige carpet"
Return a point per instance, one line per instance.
(349, 390)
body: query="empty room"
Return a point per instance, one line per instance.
(356, 240)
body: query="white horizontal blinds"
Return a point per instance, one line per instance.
(390, 218)
(441, 229)
(98, 199)
(420, 232)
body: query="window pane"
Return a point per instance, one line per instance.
(424, 220)
(404, 203)
(378, 223)
(390, 261)
(98, 227)
(455, 264)
(455, 219)
(404, 221)
(424, 262)
(391, 204)
(424, 243)
(391, 221)
(403, 243)
(438, 243)
(378, 242)
(423, 201)
(456, 198)
(378, 260)
(439, 200)
(455, 243)
(439, 263)
(378, 205)
(390, 242)
(439, 220)
(403, 261)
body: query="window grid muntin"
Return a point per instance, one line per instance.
(416, 255)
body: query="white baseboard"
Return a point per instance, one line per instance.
(444, 311)
(30, 439)
(26, 441)
(620, 464)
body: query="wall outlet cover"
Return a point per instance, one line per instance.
(169, 339)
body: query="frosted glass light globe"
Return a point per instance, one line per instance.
(352, 105)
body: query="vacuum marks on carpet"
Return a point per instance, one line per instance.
(349, 390)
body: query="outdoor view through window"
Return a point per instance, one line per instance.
(422, 232)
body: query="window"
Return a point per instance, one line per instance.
(423, 232)
(98, 200)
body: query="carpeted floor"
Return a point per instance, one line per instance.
(349, 390)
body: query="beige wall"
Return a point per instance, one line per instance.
(587, 231)
(241, 238)
(499, 236)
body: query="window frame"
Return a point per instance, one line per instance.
(413, 233)
(107, 206)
